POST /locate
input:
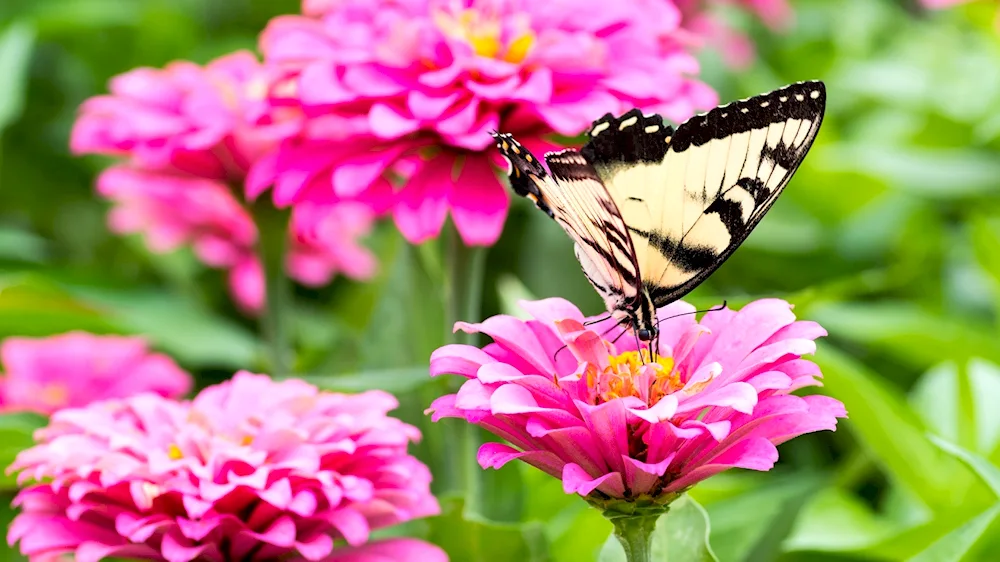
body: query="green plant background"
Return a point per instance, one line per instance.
(889, 236)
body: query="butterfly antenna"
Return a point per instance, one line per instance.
(713, 309)
(597, 320)
(602, 336)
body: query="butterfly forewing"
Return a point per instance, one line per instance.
(691, 196)
(574, 196)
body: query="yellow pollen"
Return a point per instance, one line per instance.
(483, 32)
(54, 394)
(632, 373)
(247, 440)
(174, 453)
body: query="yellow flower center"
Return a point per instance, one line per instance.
(174, 453)
(54, 395)
(484, 33)
(633, 373)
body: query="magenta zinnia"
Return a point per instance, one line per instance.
(410, 90)
(189, 135)
(251, 469)
(613, 425)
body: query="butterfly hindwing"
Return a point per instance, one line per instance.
(573, 195)
(690, 197)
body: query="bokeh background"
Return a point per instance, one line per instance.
(889, 236)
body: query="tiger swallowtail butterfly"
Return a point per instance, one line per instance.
(654, 211)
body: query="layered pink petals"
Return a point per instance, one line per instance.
(174, 210)
(250, 469)
(189, 136)
(77, 368)
(427, 80)
(590, 412)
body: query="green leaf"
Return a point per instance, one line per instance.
(959, 405)
(7, 512)
(753, 525)
(16, 430)
(986, 242)
(16, 43)
(989, 473)
(511, 290)
(836, 521)
(681, 535)
(395, 381)
(182, 328)
(964, 541)
(929, 172)
(891, 432)
(469, 537)
(910, 334)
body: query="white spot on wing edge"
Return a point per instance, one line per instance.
(814, 94)
(599, 128)
(628, 123)
(652, 128)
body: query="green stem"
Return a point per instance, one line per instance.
(465, 268)
(272, 225)
(636, 536)
(463, 291)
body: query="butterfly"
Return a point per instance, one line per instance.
(654, 211)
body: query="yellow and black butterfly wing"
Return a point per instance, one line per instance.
(690, 197)
(572, 193)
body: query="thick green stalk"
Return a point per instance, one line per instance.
(464, 268)
(272, 225)
(463, 291)
(636, 536)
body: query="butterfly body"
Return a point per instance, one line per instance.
(653, 211)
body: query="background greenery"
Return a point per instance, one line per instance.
(889, 236)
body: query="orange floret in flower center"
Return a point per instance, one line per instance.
(484, 32)
(633, 373)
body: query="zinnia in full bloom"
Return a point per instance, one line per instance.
(408, 91)
(77, 368)
(189, 136)
(614, 426)
(251, 469)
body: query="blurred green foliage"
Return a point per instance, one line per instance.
(889, 236)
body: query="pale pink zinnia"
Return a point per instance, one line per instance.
(408, 91)
(251, 469)
(614, 426)
(174, 210)
(77, 368)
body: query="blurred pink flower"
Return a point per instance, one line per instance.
(212, 122)
(173, 210)
(611, 426)
(708, 28)
(251, 469)
(411, 89)
(77, 368)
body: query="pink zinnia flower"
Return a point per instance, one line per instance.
(77, 368)
(211, 122)
(411, 89)
(173, 210)
(614, 426)
(251, 469)
(189, 135)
